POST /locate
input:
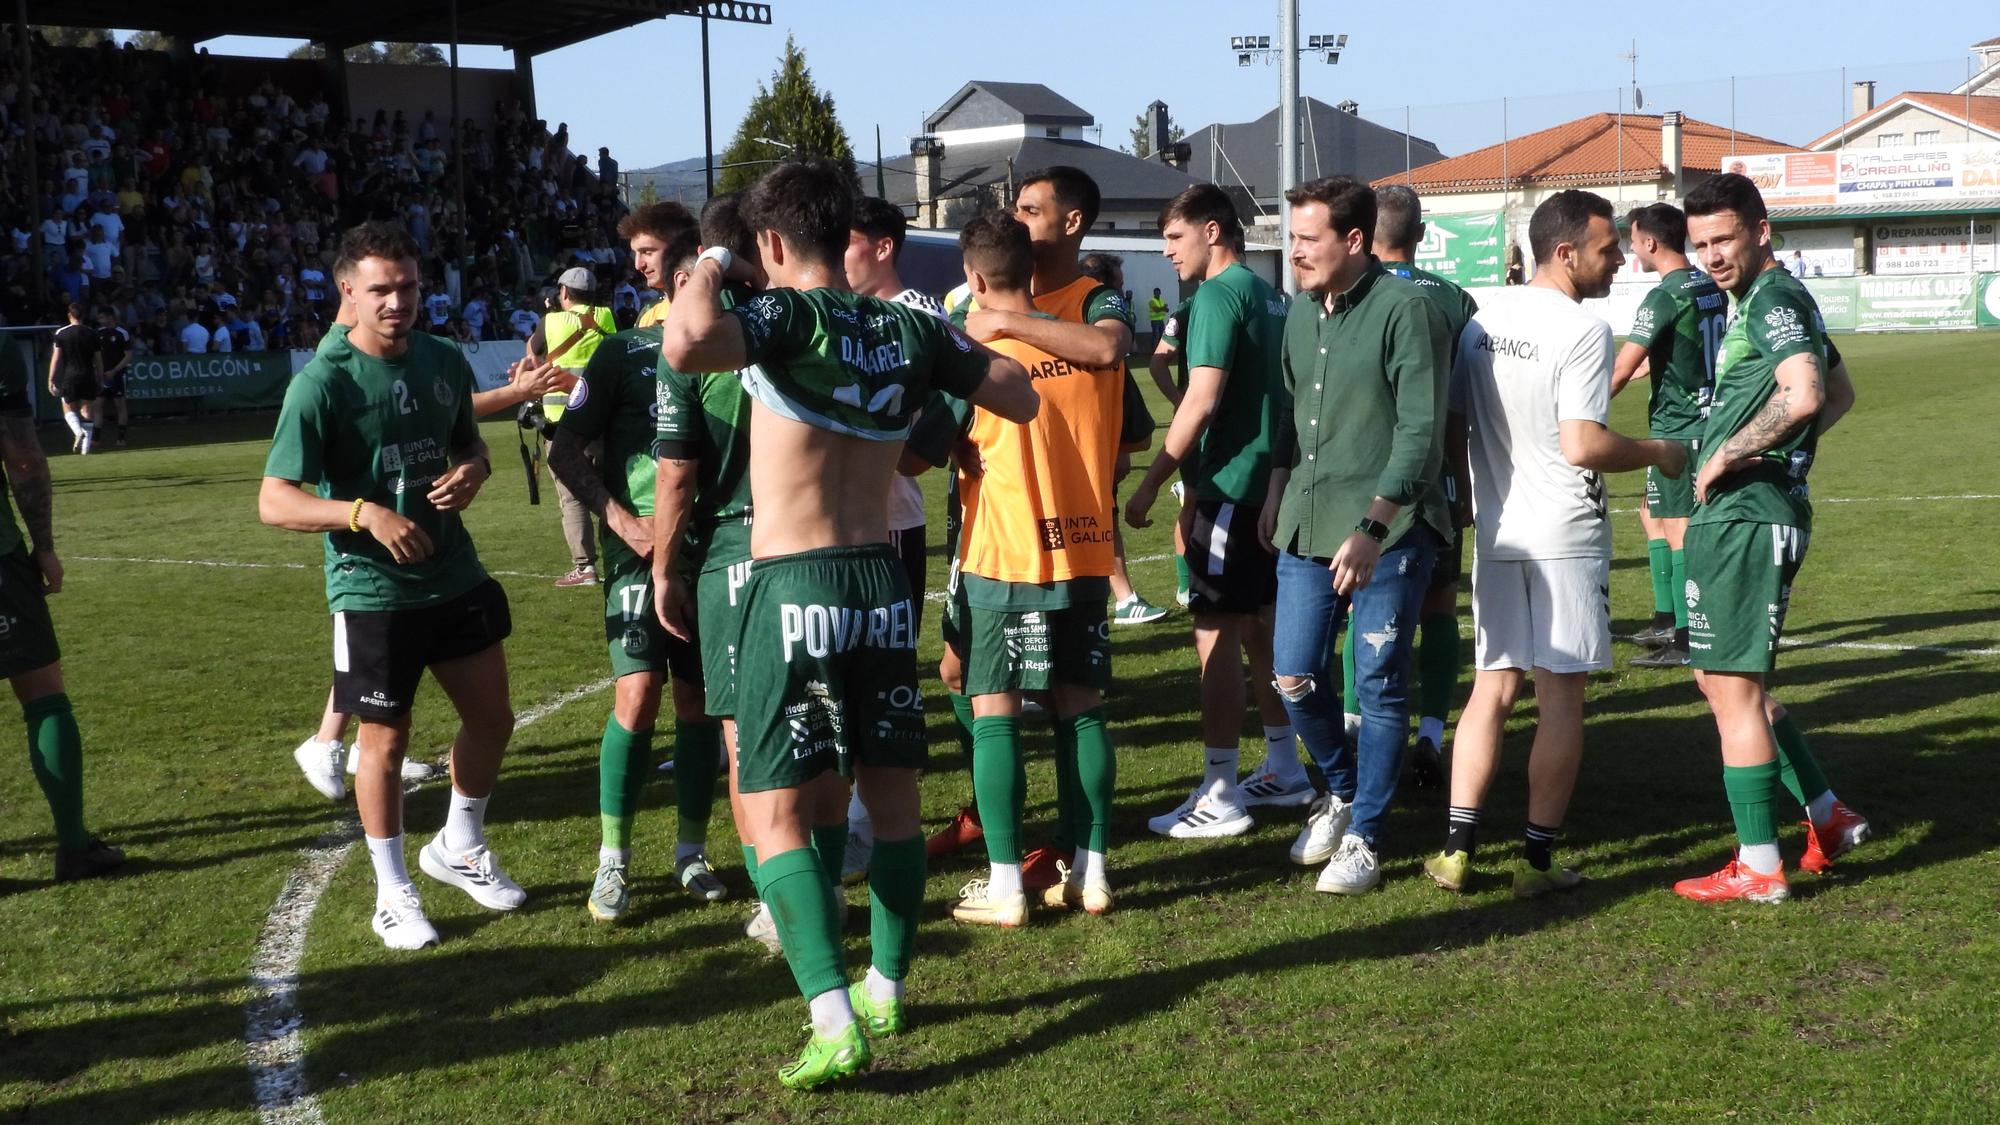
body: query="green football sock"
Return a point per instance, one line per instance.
(1797, 767)
(1350, 699)
(830, 841)
(1180, 574)
(1071, 808)
(1659, 562)
(999, 784)
(1097, 770)
(1437, 665)
(895, 900)
(623, 757)
(697, 749)
(1676, 585)
(961, 709)
(794, 886)
(1750, 790)
(55, 748)
(750, 868)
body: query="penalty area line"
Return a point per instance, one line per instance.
(273, 1048)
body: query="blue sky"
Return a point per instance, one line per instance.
(889, 62)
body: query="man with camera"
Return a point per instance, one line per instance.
(569, 335)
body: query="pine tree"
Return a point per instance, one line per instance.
(1142, 134)
(792, 111)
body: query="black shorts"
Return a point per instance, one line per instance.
(78, 388)
(114, 387)
(380, 655)
(1135, 432)
(911, 551)
(1228, 570)
(28, 639)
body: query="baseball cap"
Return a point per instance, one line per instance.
(576, 279)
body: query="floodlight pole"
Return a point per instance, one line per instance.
(459, 141)
(1288, 130)
(729, 11)
(36, 246)
(707, 115)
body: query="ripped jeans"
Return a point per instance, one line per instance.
(1385, 614)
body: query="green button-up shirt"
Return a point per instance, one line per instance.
(1369, 380)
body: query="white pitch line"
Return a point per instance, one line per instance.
(1871, 646)
(273, 1048)
(224, 565)
(1875, 500)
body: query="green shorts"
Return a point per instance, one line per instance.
(1739, 584)
(632, 631)
(1671, 498)
(1034, 650)
(27, 634)
(828, 644)
(718, 608)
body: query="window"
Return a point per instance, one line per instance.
(1053, 132)
(1927, 136)
(1889, 140)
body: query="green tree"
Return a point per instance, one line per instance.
(408, 54)
(74, 36)
(791, 111)
(1142, 134)
(151, 41)
(649, 193)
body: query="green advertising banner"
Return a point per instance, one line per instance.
(237, 381)
(1837, 302)
(1989, 300)
(1464, 249)
(1889, 304)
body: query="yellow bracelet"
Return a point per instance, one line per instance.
(354, 517)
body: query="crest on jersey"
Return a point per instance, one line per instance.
(578, 394)
(441, 391)
(1643, 322)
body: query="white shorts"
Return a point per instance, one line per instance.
(1553, 614)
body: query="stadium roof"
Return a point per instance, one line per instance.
(1335, 142)
(1126, 182)
(1977, 111)
(1028, 103)
(1588, 150)
(530, 26)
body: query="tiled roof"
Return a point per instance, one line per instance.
(1587, 150)
(1983, 110)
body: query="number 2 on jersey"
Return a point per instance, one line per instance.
(404, 403)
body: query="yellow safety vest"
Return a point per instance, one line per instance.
(558, 329)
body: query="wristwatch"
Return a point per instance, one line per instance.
(721, 256)
(1373, 529)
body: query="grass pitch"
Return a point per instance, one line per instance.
(1222, 986)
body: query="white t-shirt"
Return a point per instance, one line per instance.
(906, 497)
(194, 338)
(221, 341)
(97, 259)
(1530, 360)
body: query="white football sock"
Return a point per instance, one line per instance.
(1820, 808)
(1086, 866)
(1003, 880)
(614, 855)
(1220, 770)
(831, 1012)
(1432, 729)
(465, 824)
(880, 987)
(858, 823)
(75, 422)
(1281, 750)
(387, 856)
(89, 436)
(1761, 858)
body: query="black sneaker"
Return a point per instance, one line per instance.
(1662, 656)
(93, 859)
(1426, 765)
(1654, 635)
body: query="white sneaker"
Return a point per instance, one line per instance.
(400, 921)
(1324, 828)
(1282, 790)
(1214, 814)
(413, 769)
(763, 929)
(1165, 822)
(1352, 870)
(320, 762)
(854, 862)
(475, 872)
(1350, 725)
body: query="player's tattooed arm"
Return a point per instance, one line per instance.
(28, 478)
(1800, 395)
(573, 467)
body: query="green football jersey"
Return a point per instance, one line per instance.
(14, 379)
(614, 399)
(1236, 321)
(357, 427)
(1455, 303)
(1681, 325)
(706, 418)
(1776, 320)
(855, 365)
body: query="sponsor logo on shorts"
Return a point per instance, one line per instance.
(378, 699)
(7, 627)
(1693, 594)
(822, 630)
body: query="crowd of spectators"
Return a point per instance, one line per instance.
(206, 221)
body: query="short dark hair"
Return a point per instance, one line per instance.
(1073, 188)
(1101, 267)
(1563, 217)
(1350, 205)
(809, 201)
(378, 239)
(1203, 204)
(997, 246)
(664, 220)
(1728, 192)
(878, 219)
(75, 311)
(1663, 222)
(681, 253)
(722, 225)
(1399, 217)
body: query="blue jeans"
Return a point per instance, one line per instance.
(1385, 614)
